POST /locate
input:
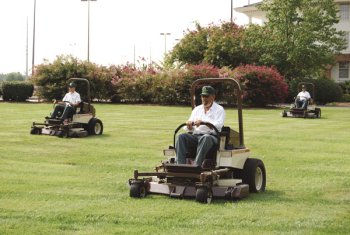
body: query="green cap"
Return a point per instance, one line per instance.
(208, 90)
(72, 84)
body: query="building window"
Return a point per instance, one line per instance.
(344, 11)
(347, 39)
(343, 69)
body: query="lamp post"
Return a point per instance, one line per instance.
(33, 38)
(88, 47)
(165, 34)
(231, 11)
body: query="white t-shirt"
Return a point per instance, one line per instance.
(304, 95)
(73, 98)
(215, 115)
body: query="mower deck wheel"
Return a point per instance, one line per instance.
(204, 195)
(137, 190)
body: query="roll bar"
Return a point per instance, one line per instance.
(207, 81)
(88, 88)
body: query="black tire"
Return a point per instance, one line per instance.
(318, 112)
(95, 127)
(35, 131)
(137, 190)
(254, 174)
(305, 114)
(284, 113)
(204, 195)
(62, 134)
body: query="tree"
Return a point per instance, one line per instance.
(299, 37)
(217, 45)
(11, 77)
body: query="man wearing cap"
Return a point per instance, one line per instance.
(68, 104)
(302, 98)
(201, 136)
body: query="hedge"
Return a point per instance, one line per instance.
(261, 85)
(17, 91)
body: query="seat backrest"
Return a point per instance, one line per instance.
(84, 108)
(229, 138)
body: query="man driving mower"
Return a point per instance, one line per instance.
(201, 136)
(66, 108)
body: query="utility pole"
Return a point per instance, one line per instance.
(33, 55)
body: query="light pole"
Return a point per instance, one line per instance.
(165, 34)
(88, 47)
(231, 11)
(33, 39)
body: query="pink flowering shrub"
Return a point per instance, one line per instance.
(261, 85)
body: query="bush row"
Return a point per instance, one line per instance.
(145, 84)
(16, 91)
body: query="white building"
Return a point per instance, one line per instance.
(340, 71)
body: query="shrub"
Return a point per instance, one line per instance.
(346, 98)
(326, 90)
(53, 77)
(345, 86)
(17, 91)
(261, 85)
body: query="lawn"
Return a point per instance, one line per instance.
(50, 185)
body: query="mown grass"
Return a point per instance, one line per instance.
(50, 185)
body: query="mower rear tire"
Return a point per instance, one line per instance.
(95, 127)
(318, 112)
(137, 190)
(254, 174)
(204, 195)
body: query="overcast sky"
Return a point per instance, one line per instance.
(117, 28)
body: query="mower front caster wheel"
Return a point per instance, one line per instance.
(137, 190)
(204, 195)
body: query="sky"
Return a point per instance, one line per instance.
(120, 30)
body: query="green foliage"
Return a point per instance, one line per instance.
(326, 90)
(301, 37)
(345, 86)
(17, 91)
(261, 85)
(11, 77)
(217, 45)
(53, 77)
(165, 87)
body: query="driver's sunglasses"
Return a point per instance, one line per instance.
(205, 96)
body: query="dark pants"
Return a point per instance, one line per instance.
(300, 103)
(186, 141)
(63, 112)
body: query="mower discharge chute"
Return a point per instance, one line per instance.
(227, 172)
